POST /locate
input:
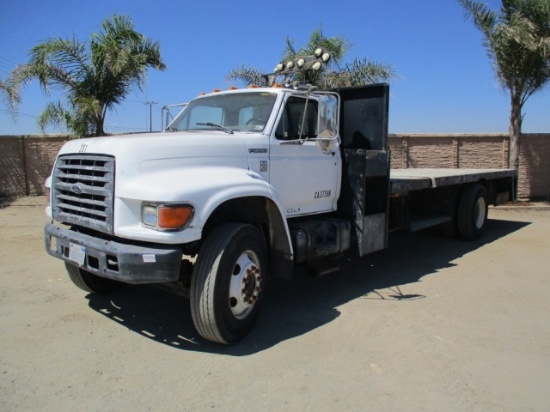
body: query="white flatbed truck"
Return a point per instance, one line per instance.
(243, 186)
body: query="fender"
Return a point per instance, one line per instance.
(204, 186)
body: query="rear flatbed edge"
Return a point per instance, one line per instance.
(404, 181)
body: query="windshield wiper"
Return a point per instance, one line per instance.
(217, 126)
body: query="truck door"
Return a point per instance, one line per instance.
(306, 177)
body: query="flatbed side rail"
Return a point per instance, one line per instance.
(404, 181)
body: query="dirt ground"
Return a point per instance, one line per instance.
(431, 324)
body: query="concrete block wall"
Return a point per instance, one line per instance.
(477, 151)
(534, 166)
(26, 161)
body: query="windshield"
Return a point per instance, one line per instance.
(228, 112)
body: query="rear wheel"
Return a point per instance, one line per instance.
(472, 212)
(91, 283)
(228, 282)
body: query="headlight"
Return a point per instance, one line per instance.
(166, 217)
(149, 215)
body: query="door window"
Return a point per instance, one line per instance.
(299, 120)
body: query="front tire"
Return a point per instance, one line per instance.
(228, 282)
(472, 212)
(91, 283)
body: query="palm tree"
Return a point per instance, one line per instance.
(333, 74)
(518, 43)
(94, 79)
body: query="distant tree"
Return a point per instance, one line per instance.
(93, 79)
(334, 74)
(518, 43)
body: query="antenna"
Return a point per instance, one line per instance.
(150, 103)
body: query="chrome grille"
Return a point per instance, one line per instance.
(83, 190)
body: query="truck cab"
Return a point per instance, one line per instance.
(284, 131)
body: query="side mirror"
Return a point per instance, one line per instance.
(325, 141)
(327, 122)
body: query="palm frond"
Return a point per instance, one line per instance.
(247, 76)
(364, 71)
(54, 114)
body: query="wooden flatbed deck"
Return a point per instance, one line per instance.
(403, 181)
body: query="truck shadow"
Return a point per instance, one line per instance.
(296, 307)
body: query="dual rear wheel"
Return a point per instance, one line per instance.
(470, 214)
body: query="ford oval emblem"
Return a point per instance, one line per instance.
(77, 189)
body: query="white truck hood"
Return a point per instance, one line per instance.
(144, 163)
(142, 148)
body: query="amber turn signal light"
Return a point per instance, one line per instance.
(174, 217)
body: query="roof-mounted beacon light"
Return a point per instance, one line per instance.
(315, 62)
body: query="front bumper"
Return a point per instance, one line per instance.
(112, 259)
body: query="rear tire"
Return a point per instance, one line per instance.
(228, 282)
(91, 283)
(472, 212)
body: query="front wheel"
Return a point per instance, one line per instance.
(228, 282)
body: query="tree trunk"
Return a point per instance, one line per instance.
(515, 132)
(99, 122)
(99, 129)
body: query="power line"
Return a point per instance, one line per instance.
(6, 65)
(128, 128)
(18, 113)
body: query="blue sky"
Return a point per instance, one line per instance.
(446, 83)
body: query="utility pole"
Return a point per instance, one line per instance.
(150, 103)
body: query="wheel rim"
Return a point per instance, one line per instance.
(479, 214)
(245, 285)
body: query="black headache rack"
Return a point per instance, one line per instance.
(365, 189)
